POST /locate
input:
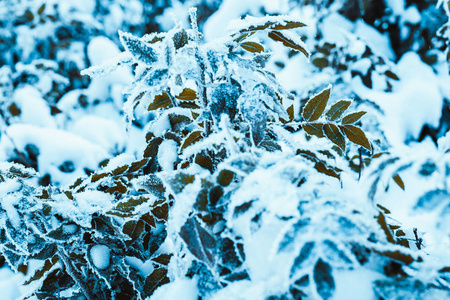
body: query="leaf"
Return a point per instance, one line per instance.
(199, 241)
(398, 180)
(163, 259)
(120, 170)
(157, 278)
(386, 211)
(381, 219)
(397, 255)
(39, 273)
(192, 138)
(290, 112)
(273, 25)
(225, 177)
(314, 129)
(279, 37)
(41, 9)
(252, 47)
(302, 257)
(321, 62)
(323, 278)
(137, 165)
(141, 51)
(97, 177)
(14, 109)
(187, 95)
(353, 117)
(334, 135)
(160, 101)
(315, 106)
(356, 136)
(337, 109)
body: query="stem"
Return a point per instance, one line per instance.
(201, 66)
(73, 273)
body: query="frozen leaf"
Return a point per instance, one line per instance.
(252, 47)
(160, 101)
(357, 136)
(191, 139)
(40, 272)
(398, 180)
(323, 278)
(162, 259)
(315, 106)
(314, 129)
(278, 36)
(141, 51)
(137, 165)
(157, 278)
(187, 95)
(275, 25)
(304, 254)
(353, 117)
(381, 219)
(397, 255)
(337, 109)
(334, 135)
(180, 39)
(321, 62)
(199, 241)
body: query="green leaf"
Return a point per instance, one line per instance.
(353, 117)
(279, 37)
(334, 135)
(225, 177)
(357, 136)
(252, 47)
(315, 106)
(397, 255)
(337, 109)
(314, 129)
(120, 170)
(398, 180)
(160, 101)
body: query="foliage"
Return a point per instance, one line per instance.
(240, 184)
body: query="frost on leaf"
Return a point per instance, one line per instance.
(337, 109)
(357, 136)
(142, 51)
(199, 241)
(289, 42)
(315, 106)
(323, 278)
(334, 135)
(353, 117)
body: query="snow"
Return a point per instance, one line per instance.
(179, 289)
(100, 256)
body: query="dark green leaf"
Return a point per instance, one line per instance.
(40, 272)
(192, 138)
